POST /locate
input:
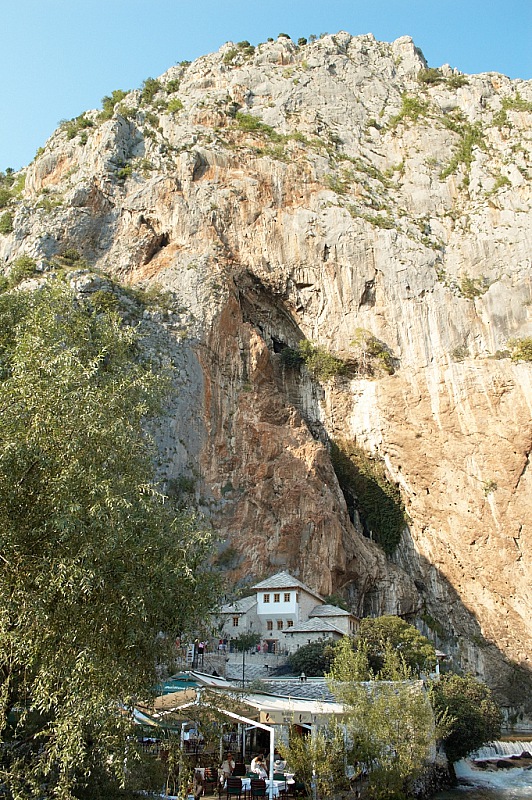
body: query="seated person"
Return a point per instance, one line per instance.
(279, 764)
(258, 767)
(227, 768)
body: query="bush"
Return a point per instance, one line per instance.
(73, 127)
(6, 223)
(150, 87)
(456, 81)
(488, 487)
(5, 197)
(246, 48)
(320, 363)
(175, 104)
(291, 358)
(372, 352)
(521, 349)
(7, 178)
(49, 203)
(338, 184)
(460, 352)
(109, 103)
(472, 287)
(71, 257)
(379, 221)
(124, 172)
(516, 103)
(23, 267)
(249, 123)
(104, 300)
(173, 86)
(230, 55)
(472, 136)
(412, 108)
(430, 76)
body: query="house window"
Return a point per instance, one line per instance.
(266, 598)
(287, 597)
(279, 624)
(235, 622)
(289, 623)
(277, 597)
(297, 597)
(269, 625)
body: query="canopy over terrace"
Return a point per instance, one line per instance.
(265, 711)
(274, 710)
(169, 710)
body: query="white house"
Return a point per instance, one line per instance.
(286, 614)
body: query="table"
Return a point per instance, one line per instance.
(278, 786)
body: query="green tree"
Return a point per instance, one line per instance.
(319, 760)
(245, 641)
(474, 716)
(379, 632)
(313, 659)
(389, 722)
(99, 574)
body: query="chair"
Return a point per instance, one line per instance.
(258, 787)
(295, 789)
(210, 778)
(233, 788)
(239, 770)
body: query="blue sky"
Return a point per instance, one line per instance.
(60, 57)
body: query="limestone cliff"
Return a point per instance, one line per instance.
(339, 192)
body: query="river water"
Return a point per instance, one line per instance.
(475, 783)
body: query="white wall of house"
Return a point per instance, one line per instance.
(274, 603)
(348, 625)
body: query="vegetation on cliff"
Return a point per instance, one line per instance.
(368, 491)
(95, 562)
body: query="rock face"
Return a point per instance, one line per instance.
(343, 193)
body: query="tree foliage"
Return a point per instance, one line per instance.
(379, 633)
(313, 659)
(319, 760)
(95, 563)
(389, 722)
(474, 716)
(245, 641)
